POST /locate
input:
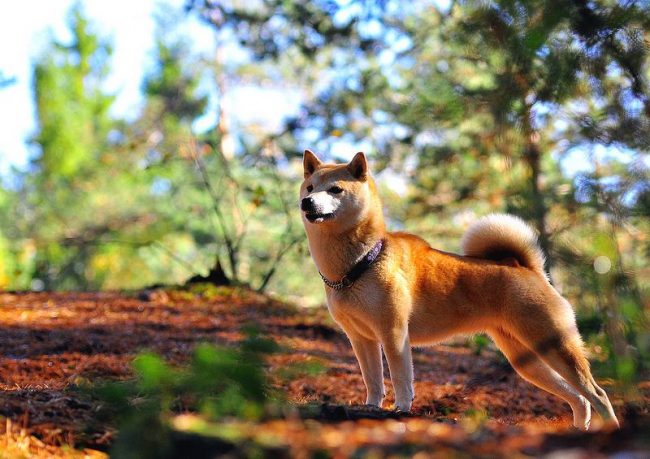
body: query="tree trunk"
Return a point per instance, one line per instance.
(533, 156)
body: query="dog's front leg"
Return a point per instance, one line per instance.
(368, 354)
(398, 354)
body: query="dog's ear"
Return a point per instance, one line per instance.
(358, 167)
(310, 163)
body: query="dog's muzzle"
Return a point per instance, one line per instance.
(313, 213)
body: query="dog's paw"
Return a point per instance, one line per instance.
(581, 414)
(402, 406)
(375, 400)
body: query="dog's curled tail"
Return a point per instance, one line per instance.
(500, 236)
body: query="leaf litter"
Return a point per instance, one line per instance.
(466, 405)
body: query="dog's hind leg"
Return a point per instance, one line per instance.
(368, 354)
(549, 329)
(532, 369)
(569, 361)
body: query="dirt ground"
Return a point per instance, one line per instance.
(466, 405)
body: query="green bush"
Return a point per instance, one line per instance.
(220, 382)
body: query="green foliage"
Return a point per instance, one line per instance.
(219, 382)
(478, 342)
(72, 109)
(136, 203)
(473, 419)
(175, 89)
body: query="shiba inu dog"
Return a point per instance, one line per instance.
(391, 290)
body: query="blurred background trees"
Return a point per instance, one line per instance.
(538, 108)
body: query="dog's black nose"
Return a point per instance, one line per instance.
(307, 205)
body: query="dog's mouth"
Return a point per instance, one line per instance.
(314, 217)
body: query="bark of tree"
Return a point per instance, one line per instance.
(533, 156)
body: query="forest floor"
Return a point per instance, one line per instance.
(467, 404)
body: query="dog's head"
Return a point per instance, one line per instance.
(340, 194)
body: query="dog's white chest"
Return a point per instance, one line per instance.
(359, 303)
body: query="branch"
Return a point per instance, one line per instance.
(278, 257)
(230, 245)
(286, 244)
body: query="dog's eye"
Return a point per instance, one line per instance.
(335, 190)
(310, 189)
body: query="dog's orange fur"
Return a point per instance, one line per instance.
(416, 295)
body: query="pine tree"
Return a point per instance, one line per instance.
(72, 107)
